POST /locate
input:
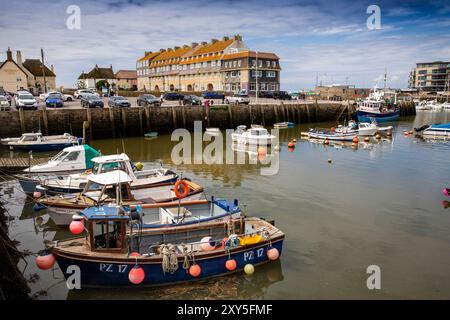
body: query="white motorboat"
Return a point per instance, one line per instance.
(212, 131)
(253, 136)
(38, 142)
(141, 178)
(423, 105)
(434, 130)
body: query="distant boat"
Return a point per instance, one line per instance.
(151, 134)
(281, 125)
(327, 134)
(37, 142)
(253, 136)
(212, 131)
(376, 107)
(364, 128)
(435, 130)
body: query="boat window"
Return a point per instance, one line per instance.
(60, 156)
(29, 138)
(110, 192)
(72, 156)
(107, 167)
(107, 235)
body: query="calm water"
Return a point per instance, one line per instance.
(380, 204)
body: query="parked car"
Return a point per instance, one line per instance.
(54, 100)
(238, 98)
(172, 96)
(66, 97)
(191, 101)
(26, 101)
(281, 95)
(91, 101)
(77, 94)
(118, 101)
(265, 94)
(213, 95)
(4, 104)
(148, 100)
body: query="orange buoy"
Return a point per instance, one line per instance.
(135, 254)
(291, 145)
(231, 264)
(45, 260)
(326, 141)
(355, 139)
(273, 254)
(195, 270)
(291, 149)
(76, 227)
(262, 151)
(136, 275)
(177, 188)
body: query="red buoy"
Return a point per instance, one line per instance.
(230, 264)
(291, 145)
(195, 270)
(45, 260)
(136, 275)
(135, 254)
(273, 254)
(224, 241)
(355, 139)
(76, 227)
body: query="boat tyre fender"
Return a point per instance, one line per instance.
(176, 189)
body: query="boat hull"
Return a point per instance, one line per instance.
(436, 132)
(333, 137)
(96, 272)
(40, 147)
(364, 116)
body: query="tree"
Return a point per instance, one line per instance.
(102, 83)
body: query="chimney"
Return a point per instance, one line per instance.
(185, 46)
(204, 43)
(162, 50)
(169, 49)
(214, 41)
(225, 38)
(194, 44)
(237, 37)
(9, 54)
(176, 48)
(147, 53)
(19, 57)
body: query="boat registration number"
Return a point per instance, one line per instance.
(250, 255)
(109, 267)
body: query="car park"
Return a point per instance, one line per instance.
(148, 100)
(91, 101)
(25, 101)
(55, 100)
(118, 101)
(238, 98)
(213, 95)
(191, 100)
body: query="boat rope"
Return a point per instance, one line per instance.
(186, 256)
(169, 258)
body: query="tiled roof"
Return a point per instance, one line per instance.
(252, 54)
(194, 58)
(213, 47)
(149, 56)
(163, 57)
(83, 75)
(35, 67)
(126, 74)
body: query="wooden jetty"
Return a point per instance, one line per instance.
(17, 164)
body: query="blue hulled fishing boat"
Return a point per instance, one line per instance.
(116, 252)
(376, 108)
(36, 142)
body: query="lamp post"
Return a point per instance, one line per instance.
(256, 77)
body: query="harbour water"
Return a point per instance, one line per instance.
(379, 204)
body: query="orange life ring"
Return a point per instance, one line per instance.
(176, 189)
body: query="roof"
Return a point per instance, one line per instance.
(20, 68)
(104, 212)
(217, 46)
(126, 74)
(100, 73)
(251, 54)
(149, 56)
(35, 67)
(164, 56)
(109, 178)
(111, 158)
(83, 75)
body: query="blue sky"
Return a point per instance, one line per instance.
(328, 40)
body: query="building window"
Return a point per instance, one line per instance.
(263, 86)
(233, 74)
(213, 63)
(205, 64)
(252, 87)
(260, 63)
(253, 63)
(234, 64)
(274, 64)
(268, 64)
(271, 74)
(219, 63)
(254, 73)
(239, 63)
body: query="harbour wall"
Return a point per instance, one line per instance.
(122, 122)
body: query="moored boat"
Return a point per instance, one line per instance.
(328, 134)
(376, 107)
(36, 142)
(282, 125)
(113, 255)
(434, 130)
(253, 136)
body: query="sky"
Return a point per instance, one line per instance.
(324, 42)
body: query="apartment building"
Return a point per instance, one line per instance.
(219, 65)
(430, 76)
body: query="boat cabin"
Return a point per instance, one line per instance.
(108, 186)
(111, 163)
(31, 137)
(258, 132)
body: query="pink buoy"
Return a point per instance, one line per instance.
(37, 194)
(445, 191)
(195, 270)
(76, 227)
(45, 261)
(207, 244)
(136, 275)
(273, 254)
(230, 264)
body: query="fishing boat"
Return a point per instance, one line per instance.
(364, 128)
(253, 136)
(141, 178)
(117, 252)
(37, 142)
(328, 134)
(376, 107)
(282, 125)
(69, 160)
(434, 130)
(105, 188)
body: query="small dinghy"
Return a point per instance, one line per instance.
(253, 136)
(328, 134)
(118, 252)
(283, 125)
(36, 142)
